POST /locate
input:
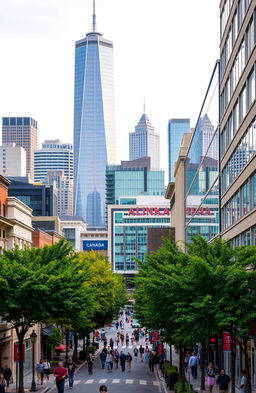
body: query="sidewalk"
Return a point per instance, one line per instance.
(47, 385)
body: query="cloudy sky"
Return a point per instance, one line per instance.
(164, 50)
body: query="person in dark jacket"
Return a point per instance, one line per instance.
(122, 358)
(103, 356)
(71, 372)
(90, 361)
(223, 381)
(7, 372)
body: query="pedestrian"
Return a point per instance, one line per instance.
(122, 360)
(132, 338)
(116, 358)
(141, 351)
(109, 361)
(71, 372)
(151, 361)
(2, 383)
(60, 374)
(40, 371)
(122, 338)
(7, 372)
(103, 388)
(105, 342)
(103, 357)
(223, 381)
(129, 361)
(243, 383)
(137, 337)
(211, 373)
(127, 339)
(186, 360)
(135, 352)
(111, 343)
(47, 368)
(90, 360)
(146, 358)
(192, 363)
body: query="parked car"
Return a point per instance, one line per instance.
(135, 324)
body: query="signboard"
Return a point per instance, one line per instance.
(16, 352)
(203, 211)
(226, 342)
(95, 245)
(149, 211)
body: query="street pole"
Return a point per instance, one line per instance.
(33, 340)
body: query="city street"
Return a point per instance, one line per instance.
(139, 379)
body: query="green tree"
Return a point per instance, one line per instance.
(40, 284)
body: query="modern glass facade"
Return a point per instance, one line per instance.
(176, 129)
(202, 168)
(125, 182)
(94, 126)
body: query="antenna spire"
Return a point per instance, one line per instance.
(94, 18)
(144, 105)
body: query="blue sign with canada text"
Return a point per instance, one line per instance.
(95, 245)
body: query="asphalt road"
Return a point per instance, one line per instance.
(140, 379)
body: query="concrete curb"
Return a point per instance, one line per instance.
(161, 379)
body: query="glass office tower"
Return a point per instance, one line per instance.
(94, 125)
(176, 129)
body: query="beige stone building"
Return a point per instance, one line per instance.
(175, 192)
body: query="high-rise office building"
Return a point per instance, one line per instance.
(238, 123)
(54, 155)
(54, 166)
(12, 160)
(144, 142)
(132, 178)
(176, 129)
(23, 132)
(94, 125)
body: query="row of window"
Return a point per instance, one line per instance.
(242, 56)
(245, 100)
(241, 203)
(232, 36)
(241, 10)
(240, 157)
(246, 238)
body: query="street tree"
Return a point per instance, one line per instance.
(40, 284)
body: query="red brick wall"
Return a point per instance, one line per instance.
(40, 239)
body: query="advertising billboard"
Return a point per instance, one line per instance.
(95, 245)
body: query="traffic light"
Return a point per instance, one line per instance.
(212, 343)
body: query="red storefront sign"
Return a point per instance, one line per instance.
(149, 211)
(203, 211)
(16, 352)
(226, 342)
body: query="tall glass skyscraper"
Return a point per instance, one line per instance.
(176, 129)
(94, 125)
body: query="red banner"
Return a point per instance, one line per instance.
(226, 342)
(156, 336)
(160, 349)
(16, 353)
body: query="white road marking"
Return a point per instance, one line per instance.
(89, 381)
(115, 380)
(77, 382)
(102, 380)
(156, 383)
(129, 381)
(143, 382)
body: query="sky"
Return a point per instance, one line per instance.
(164, 50)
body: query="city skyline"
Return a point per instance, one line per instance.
(163, 86)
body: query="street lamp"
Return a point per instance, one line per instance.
(33, 337)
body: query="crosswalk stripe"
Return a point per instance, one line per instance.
(89, 381)
(115, 380)
(102, 380)
(143, 382)
(156, 383)
(77, 382)
(129, 381)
